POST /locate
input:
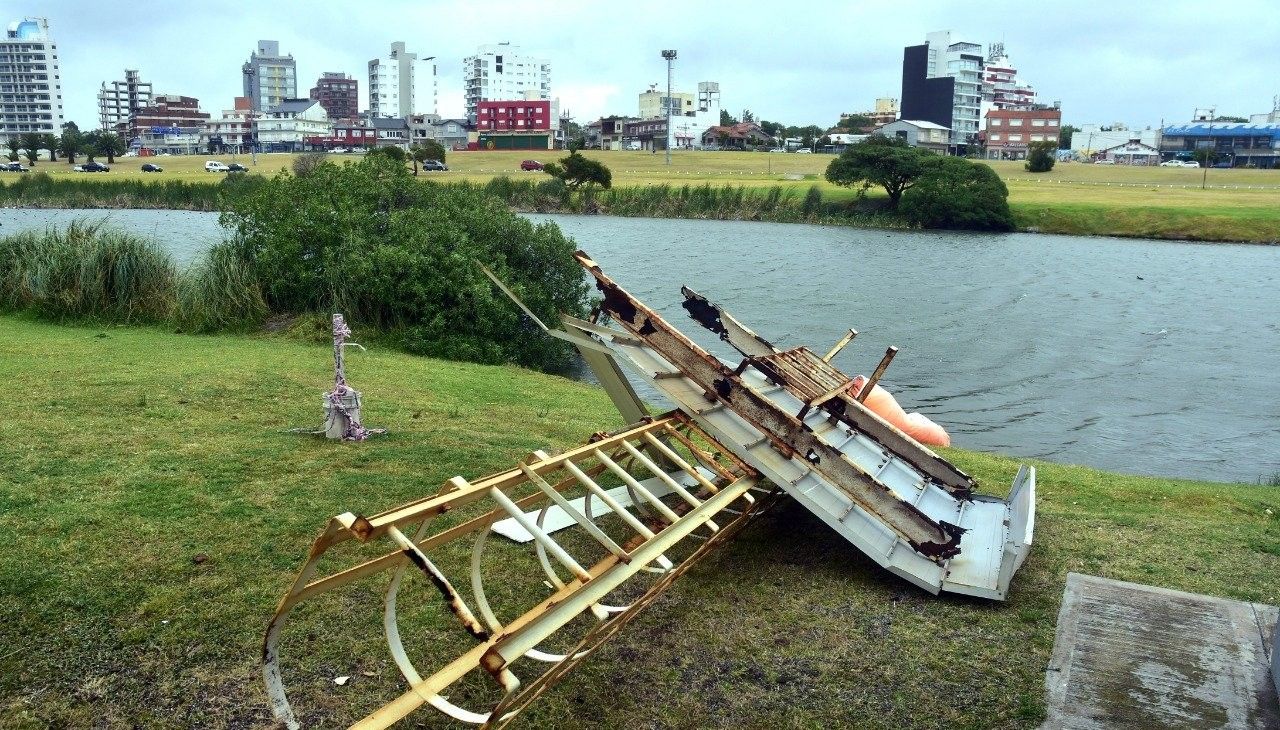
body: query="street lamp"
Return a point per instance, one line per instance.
(670, 55)
(1208, 158)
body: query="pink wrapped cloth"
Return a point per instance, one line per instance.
(918, 427)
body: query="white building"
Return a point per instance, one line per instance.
(30, 86)
(1092, 139)
(962, 61)
(400, 85)
(233, 131)
(502, 73)
(1002, 88)
(118, 100)
(688, 127)
(286, 126)
(654, 103)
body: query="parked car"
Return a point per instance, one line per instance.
(91, 167)
(148, 167)
(236, 167)
(804, 151)
(1179, 163)
(13, 167)
(215, 166)
(530, 165)
(434, 165)
(778, 149)
(1104, 162)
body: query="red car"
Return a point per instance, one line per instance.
(530, 165)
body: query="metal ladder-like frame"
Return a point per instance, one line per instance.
(724, 498)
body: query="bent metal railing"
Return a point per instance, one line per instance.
(677, 496)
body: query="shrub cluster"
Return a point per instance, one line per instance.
(368, 240)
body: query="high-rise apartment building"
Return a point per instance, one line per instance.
(1001, 87)
(400, 85)
(269, 78)
(501, 73)
(339, 94)
(118, 100)
(942, 83)
(30, 84)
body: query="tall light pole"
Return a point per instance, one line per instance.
(1208, 158)
(670, 55)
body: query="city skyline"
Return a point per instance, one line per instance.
(1122, 69)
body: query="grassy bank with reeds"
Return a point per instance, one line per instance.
(40, 190)
(153, 509)
(87, 272)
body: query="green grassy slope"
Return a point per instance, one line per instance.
(128, 453)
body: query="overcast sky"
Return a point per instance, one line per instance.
(1136, 62)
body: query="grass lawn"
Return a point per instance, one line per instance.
(128, 452)
(1073, 198)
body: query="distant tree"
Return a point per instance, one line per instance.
(747, 116)
(856, 123)
(14, 144)
(771, 128)
(31, 147)
(392, 152)
(1040, 156)
(109, 145)
(1205, 156)
(952, 192)
(726, 119)
(71, 142)
(578, 171)
(50, 142)
(1240, 120)
(1064, 136)
(304, 165)
(89, 144)
(885, 161)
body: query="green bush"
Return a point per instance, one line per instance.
(86, 272)
(1040, 156)
(955, 193)
(398, 255)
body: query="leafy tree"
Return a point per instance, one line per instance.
(856, 123)
(109, 144)
(1064, 136)
(429, 150)
(885, 161)
(726, 119)
(578, 171)
(31, 146)
(14, 144)
(89, 144)
(304, 165)
(1040, 156)
(747, 116)
(367, 240)
(1240, 120)
(773, 129)
(50, 142)
(71, 142)
(391, 152)
(954, 193)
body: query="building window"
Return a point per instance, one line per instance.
(1015, 138)
(1037, 122)
(1015, 122)
(1037, 138)
(996, 122)
(995, 138)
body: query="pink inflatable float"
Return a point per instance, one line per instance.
(918, 427)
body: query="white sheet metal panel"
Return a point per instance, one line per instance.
(998, 532)
(557, 519)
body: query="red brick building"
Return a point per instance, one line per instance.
(348, 133)
(166, 111)
(1008, 132)
(514, 116)
(339, 94)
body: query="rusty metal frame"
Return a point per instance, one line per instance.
(724, 502)
(936, 540)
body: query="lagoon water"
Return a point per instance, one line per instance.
(1147, 357)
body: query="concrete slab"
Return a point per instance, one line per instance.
(1135, 656)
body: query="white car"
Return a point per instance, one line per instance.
(804, 151)
(215, 166)
(1179, 163)
(1104, 162)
